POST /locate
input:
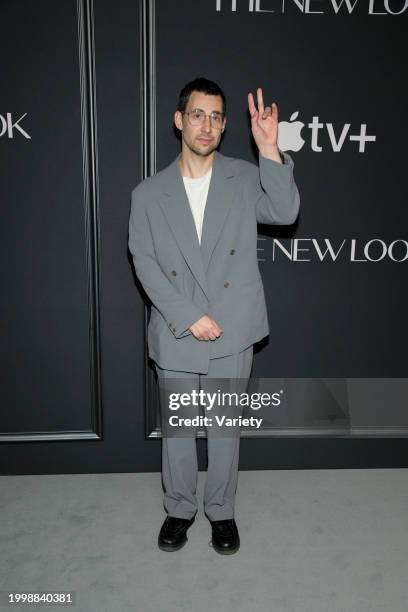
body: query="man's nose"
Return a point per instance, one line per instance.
(207, 123)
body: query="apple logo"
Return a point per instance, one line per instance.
(289, 137)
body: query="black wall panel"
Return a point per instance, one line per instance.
(95, 85)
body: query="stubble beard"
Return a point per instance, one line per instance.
(201, 152)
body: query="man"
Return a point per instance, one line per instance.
(193, 237)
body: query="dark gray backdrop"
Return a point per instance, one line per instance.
(73, 395)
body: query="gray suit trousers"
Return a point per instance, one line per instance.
(179, 454)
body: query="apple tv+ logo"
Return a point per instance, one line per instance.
(290, 139)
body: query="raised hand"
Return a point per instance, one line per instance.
(264, 125)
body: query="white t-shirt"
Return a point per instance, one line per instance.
(197, 191)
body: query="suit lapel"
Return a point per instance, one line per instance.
(176, 207)
(219, 200)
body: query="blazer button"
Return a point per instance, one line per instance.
(226, 284)
(174, 273)
(232, 251)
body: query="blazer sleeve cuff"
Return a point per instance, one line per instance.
(279, 204)
(179, 325)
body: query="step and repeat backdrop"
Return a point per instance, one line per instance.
(335, 282)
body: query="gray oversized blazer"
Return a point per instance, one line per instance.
(185, 280)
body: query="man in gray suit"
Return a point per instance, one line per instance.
(193, 238)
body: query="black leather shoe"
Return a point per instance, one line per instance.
(172, 534)
(225, 536)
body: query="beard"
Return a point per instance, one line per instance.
(201, 149)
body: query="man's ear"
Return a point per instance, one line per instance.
(178, 121)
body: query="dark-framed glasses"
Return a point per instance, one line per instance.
(197, 117)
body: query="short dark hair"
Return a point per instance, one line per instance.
(204, 86)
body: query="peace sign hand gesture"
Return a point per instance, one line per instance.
(264, 125)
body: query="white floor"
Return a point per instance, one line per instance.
(311, 541)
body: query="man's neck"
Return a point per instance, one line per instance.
(194, 166)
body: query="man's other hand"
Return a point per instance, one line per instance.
(206, 328)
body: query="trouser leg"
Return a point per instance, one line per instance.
(223, 452)
(179, 458)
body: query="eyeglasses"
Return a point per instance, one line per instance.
(197, 117)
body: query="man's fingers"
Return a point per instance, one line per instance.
(252, 110)
(208, 334)
(260, 101)
(212, 334)
(214, 327)
(251, 105)
(207, 330)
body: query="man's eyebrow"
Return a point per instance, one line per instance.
(201, 109)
